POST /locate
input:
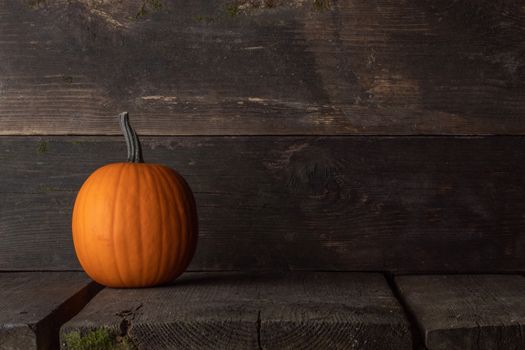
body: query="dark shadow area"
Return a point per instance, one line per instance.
(212, 279)
(416, 332)
(48, 330)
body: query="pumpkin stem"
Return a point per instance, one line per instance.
(132, 140)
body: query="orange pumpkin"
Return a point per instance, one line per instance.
(134, 224)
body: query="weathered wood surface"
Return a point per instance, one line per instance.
(33, 306)
(299, 67)
(239, 311)
(333, 310)
(292, 203)
(478, 312)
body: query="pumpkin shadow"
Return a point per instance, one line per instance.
(211, 279)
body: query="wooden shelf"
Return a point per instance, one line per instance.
(294, 310)
(331, 310)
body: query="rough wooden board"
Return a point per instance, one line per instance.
(33, 305)
(200, 310)
(220, 67)
(328, 203)
(36, 231)
(229, 310)
(467, 311)
(333, 310)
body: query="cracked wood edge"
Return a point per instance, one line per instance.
(243, 311)
(35, 304)
(478, 312)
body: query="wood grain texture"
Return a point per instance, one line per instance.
(465, 312)
(239, 311)
(33, 306)
(236, 68)
(201, 311)
(292, 203)
(334, 310)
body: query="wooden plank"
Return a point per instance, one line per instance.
(201, 310)
(299, 67)
(239, 311)
(36, 231)
(35, 304)
(334, 310)
(292, 203)
(467, 311)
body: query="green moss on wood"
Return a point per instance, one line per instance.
(35, 4)
(149, 6)
(246, 7)
(205, 19)
(42, 147)
(232, 10)
(97, 339)
(322, 5)
(48, 189)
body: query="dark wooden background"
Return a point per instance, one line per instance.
(317, 135)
